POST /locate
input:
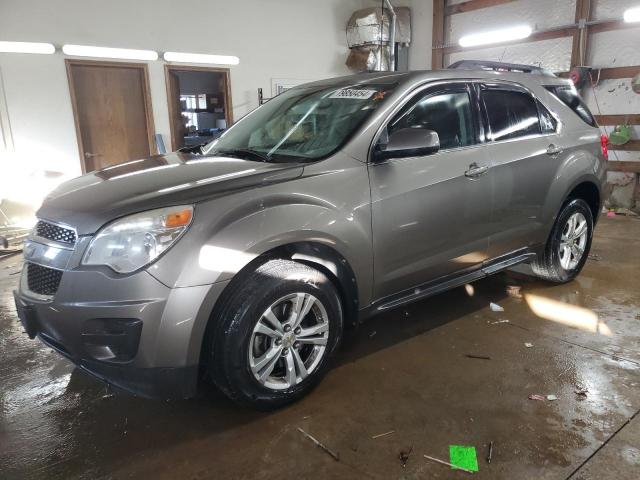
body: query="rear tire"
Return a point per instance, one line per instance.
(568, 245)
(275, 334)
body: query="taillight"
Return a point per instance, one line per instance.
(604, 140)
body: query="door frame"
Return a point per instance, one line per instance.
(146, 97)
(228, 109)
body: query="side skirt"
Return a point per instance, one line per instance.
(448, 282)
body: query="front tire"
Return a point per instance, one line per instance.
(568, 245)
(276, 331)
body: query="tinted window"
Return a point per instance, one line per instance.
(547, 122)
(570, 97)
(448, 114)
(511, 114)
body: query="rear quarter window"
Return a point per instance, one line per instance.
(570, 97)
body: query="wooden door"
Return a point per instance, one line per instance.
(112, 112)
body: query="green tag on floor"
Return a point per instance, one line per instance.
(463, 457)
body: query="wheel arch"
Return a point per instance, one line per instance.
(590, 193)
(317, 255)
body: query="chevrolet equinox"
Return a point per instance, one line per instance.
(244, 261)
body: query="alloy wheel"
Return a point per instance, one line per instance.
(289, 341)
(573, 241)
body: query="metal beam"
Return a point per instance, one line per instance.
(630, 146)
(438, 37)
(616, 73)
(472, 5)
(628, 167)
(580, 44)
(630, 119)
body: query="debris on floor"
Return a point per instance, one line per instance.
(479, 357)
(594, 256)
(372, 334)
(321, 446)
(495, 307)
(499, 321)
(404, 456)
(514, 291)
(463, 457)
(442, 462)
(490, 454)
(390, 432)
(542, 398)
(582, 392)
(528, 345)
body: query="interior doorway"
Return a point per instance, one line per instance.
(199, 101)
(112, 111)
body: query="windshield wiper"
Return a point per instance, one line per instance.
(244, 152)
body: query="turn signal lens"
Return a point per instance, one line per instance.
(178, 219)
(604, 141)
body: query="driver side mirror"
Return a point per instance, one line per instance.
(408, 142)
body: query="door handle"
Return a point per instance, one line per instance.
(89, 154)
(554, 150)
(476, 170)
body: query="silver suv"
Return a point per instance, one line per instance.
(243, 261)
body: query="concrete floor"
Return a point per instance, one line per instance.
(406, 371)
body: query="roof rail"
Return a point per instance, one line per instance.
(499, 67)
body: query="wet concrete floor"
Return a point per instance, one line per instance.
(406, 371)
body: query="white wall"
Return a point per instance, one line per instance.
(302, 39)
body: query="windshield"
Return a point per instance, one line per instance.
(302, 124)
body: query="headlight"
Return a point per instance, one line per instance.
(132, 242)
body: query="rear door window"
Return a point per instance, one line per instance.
(570, 97)
(511, 114)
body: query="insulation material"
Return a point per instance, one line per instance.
(539, 15)
(364, 59)
(615, 48)
(554, 54)
(363, 27)
(609, 9)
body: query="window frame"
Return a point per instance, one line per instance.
(514, 87)
(428, 89)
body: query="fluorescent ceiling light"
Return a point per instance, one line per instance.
(496, 36)
(201, 58)
(106, 52)
(27, 47)
(632, 15)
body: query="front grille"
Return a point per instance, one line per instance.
(43, 280)
(56, 233)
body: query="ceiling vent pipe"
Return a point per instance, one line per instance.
(392, 38)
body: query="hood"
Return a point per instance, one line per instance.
(90, 201)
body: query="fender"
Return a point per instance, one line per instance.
(583, 165)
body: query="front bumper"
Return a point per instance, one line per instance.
(131, 331)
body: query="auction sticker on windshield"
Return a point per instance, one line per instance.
(353, 93)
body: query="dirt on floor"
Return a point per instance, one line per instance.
(446, 371)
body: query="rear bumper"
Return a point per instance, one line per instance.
(132, 332)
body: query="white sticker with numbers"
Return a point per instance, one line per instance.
(353, 93)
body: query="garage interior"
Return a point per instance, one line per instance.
(542, 380)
